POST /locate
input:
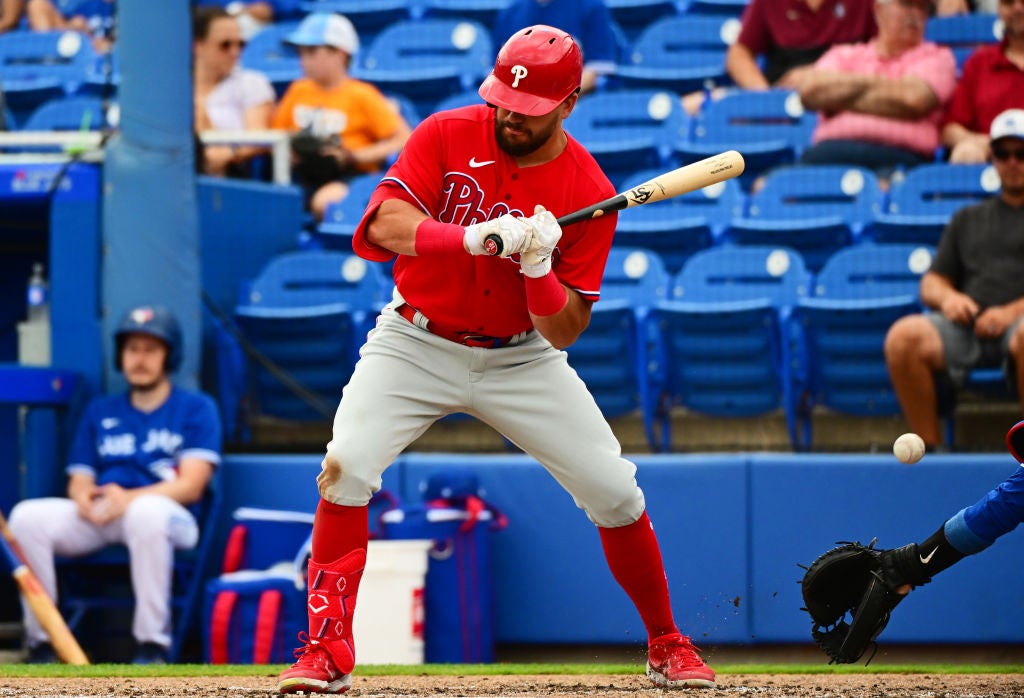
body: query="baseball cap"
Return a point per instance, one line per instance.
(325, 29)
(1009, 124)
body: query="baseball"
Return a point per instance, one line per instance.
(908, 448)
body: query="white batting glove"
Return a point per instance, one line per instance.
(536, 261)
(503, 236)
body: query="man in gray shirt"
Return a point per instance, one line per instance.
(975, 290)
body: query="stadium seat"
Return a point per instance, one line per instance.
(815, 209)
(839, 329)
(964, 33)
(101, 581)
(770, 128)
(427, 60)
(612, 357)
(300, 325)
(720, 349)
(681, 53)
(626, 130)
(732, 8)
(368, 17)
(682, 225)
(482, 11)
(460, 99)
(40, 66)
(633, 16)
(920, 203)
(267, 53)
(406, 108)
(73, 114)
(341, 218)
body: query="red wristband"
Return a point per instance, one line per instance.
(435, 237)
(545, 295)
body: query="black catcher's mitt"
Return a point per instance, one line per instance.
(850, 592)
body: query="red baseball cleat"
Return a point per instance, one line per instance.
(672, 661)
(313, 672)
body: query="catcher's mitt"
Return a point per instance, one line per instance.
(860, 581)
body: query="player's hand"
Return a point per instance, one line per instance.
(515, 236)
(536, 261)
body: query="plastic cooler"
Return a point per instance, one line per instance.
(459, 601)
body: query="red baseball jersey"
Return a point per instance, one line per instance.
(453, 170)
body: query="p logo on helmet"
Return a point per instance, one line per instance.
(552, 60)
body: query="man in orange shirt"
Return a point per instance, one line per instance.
(353, 127)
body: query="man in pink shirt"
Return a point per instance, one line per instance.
(880, 103)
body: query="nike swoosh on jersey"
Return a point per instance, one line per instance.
(926, 560)
(473, 162)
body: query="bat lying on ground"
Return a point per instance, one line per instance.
(697, 175)
(42, 607)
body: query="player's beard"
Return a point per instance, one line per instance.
(527, 143)
(143, 383)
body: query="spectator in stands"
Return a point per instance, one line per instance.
(253, 15)
(227, 97)
(139, 461)
(345, 126)
(11, 12)
(992, 82)
(589, 21)
(94, 18)
(880, 102)
(975, 290)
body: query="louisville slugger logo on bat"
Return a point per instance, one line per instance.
(682, 180)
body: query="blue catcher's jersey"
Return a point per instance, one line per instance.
(117, 443)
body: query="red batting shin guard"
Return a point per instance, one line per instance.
(635, 561)
(331, 603)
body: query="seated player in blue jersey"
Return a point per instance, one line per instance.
(140, 462)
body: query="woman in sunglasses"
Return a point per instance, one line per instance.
(227, 97)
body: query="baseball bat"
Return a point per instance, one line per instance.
(38, 602)
(697, 175)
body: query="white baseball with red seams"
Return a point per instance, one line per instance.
(908, 448)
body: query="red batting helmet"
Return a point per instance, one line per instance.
(536, 69)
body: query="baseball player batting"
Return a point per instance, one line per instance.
(481, 334)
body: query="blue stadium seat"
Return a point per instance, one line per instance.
(612, 356)
(307, 312)
(341, 218)
(721, 351)
(919, 204)
(633, 16)
(482, 11)
(770, 128)
(815, 209)
(427, 60)
(626, 130)
(406, 108)
(460, 99)
(101, 581)
(267, 53)
(369, 17)
(680, 53)
(732, 8)
(682, 225)
(964, 33)
(839, 330)
(40, 66)
(73, 114)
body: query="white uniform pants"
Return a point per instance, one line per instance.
(407, 378)
(151, 528)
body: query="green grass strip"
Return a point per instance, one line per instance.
(272, 670)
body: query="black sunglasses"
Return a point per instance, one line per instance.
(228, 44)
(1002, 154)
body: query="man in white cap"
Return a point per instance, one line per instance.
(347, 125)
(975, 293)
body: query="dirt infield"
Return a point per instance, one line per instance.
(759, 686)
